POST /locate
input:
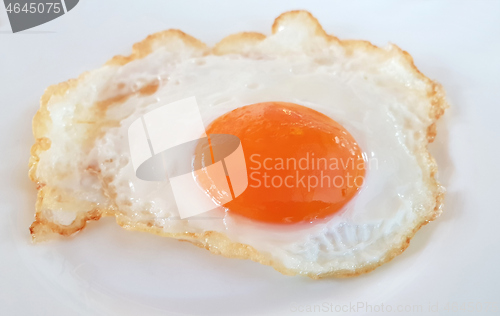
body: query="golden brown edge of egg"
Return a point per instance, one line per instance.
(216, 242)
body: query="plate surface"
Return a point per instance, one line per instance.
(451, 266)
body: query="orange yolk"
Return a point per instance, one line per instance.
(301, 164)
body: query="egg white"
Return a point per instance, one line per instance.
(384, 105)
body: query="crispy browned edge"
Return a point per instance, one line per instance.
(216, 242)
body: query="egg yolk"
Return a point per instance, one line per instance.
(301, 164)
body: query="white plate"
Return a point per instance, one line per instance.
(451, 264)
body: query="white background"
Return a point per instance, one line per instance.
(106, 270)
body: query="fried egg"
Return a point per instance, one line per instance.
(307, 107)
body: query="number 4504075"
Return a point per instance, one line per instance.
(476, 307)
